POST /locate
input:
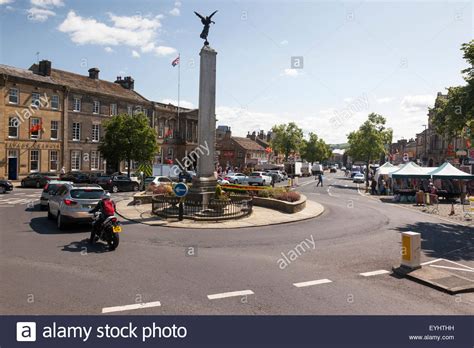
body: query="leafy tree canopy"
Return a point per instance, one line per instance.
(287, 138)
(128, 138)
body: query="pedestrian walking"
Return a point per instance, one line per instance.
(320, 180)
(373, 187)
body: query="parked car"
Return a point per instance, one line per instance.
(157, 181)
(133, 176)
(281, 176)
(333, 169)
(186, 176)
(49, 190)
(93, 176)
(236, 178)
(71, 203)
(5, 186)
(222, 181)
(359, 178)
(117, 183)
(259, 178)
(76, 177)
(38, 179)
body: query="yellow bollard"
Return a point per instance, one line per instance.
(411, 250)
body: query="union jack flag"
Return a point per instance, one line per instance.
(175, 62)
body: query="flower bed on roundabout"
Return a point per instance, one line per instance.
(229, 202)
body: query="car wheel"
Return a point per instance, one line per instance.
(60, 222)
(42, 207)
(22, 183)
(114, 189)
(50, 215)
(38, 184)
(135, 188)
(2, 189)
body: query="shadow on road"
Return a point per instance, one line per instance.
(42, 225)
(441, 240)
(84, 247)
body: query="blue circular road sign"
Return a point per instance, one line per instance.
(181, 189)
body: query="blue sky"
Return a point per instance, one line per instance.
(358, 57)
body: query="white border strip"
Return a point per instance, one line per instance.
(374, 273)
(312, 282)
(230, 294)
(453, 268)
(131, 307)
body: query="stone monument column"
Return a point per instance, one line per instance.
(204, 184)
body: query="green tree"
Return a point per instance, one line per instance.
(287, 138)
(454, 116)
(128, 138)
(369, 141)
(315, 149)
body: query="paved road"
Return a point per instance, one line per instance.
(46, 271)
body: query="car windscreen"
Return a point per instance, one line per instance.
(255, 174)
(86, 194)
(52, 188)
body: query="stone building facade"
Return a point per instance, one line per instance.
(239, 152)
(50, 118)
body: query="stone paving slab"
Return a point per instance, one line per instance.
(442, 279)
(260, 217)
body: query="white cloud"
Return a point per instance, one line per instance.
(417, 103)
(290, 72)
(135, 31)
(175, 12)
(47, 3)
(135, 54)
(182, 103)
(284, 42)
(4, 2)
(384, 100)
(348, 100)
(164, 51)
(177, 4)
(39, 14)
(108, 49)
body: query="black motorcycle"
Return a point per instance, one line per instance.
(107, 232)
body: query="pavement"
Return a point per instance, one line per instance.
(259, 217)
(337, 264)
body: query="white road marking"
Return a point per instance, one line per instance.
(429, 262)
(459, 264)
(16, 201)
(131, 307)
(454, 268)
(230, 294)
(373, 273)
(312, 282)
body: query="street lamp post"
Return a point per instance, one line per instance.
(425, 157)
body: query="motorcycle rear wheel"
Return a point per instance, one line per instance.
(113, 242)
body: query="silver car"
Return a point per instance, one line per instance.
(259, 178)
(49, 190)
(72, 203)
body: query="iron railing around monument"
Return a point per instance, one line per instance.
(234, 207)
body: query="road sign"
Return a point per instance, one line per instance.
(180, 189)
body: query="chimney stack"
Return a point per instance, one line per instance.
(44, 68)
(94, 73)
(127, 82)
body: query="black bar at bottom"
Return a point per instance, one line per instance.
(239, 331)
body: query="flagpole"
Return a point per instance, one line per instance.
(179, 83)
